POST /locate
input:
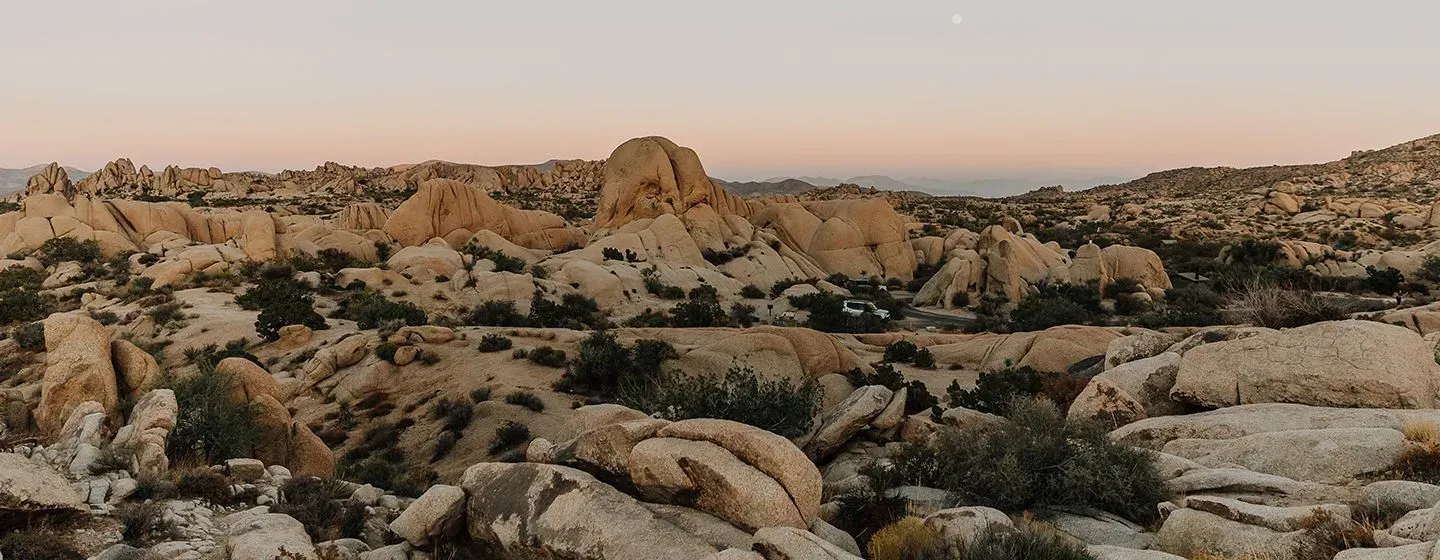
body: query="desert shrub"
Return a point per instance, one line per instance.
(657, 287)
(316, 504)
(210, 426)
(428, 357)
(720, 257)
(496, 313)
(494, 342)
(204, 484)
(865, 509)
(509, 435)
(991, 316)
(386, 351)
(779, 287)
(141, 523)
(60, 249)
(574, 311)
(1420, 462)
(960, 299)
(1036, 460)
(1055, 305)
(525, 399)
(612, 254)
(1026, 541)
(167, 313)
(456, 415)
(742, 314)
(703, 309)
(503, 262)
(547, 356)
(370, 309)
(906, 539)
(37, 545)
(444, 444)
(281, 301)
(649, 318)
(751, 291)
(924, 359)
(901, 351)
(20, 295)
(1324, 535)
(603, 366)
(30, 336)
(995, 391)
(1383, 281)
(772, 404)
(112, 458)
(479, 395)
(1267, 305)
(105, 317)
(1184, 306)
(1430, 269)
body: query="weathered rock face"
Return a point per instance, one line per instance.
(711, 479)
(963, 274)
(51, 180)
(30, 487)
(652, 176)
(1051, 350)
(531, 510)
(1324, 455)
(362, 216)
(256, 535)
(288, 442)
(151, 421)
(1130, 391)
(444, 208)
(1250, 419)
(1136, 263)
(78, 369)
(1342, 364)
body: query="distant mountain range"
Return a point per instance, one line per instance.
(14, 180)
(992, 187)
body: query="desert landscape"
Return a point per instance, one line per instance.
(621, 359)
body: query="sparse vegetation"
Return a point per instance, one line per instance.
(211, 426)
(494, 342)
(740, 395)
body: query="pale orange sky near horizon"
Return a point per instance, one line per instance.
(839, 88)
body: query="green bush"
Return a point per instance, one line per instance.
(509, 435)
(1430, 269)
(20, 296)
(1055, 305)
(166, 313)
(924, 359)
(386, 351)
(496, 313)
(210, 426)
(612, 254)
(281, 301)
(525, 399)
(995, 391)
(1036, 460)
(701, 310)
(1383, 281)
(574, 311)
(371, 309)
(503, 262)
(742, 314)
(547, 356)
(720, 257)
(61, 249)
(603, 366)
(901, 351)
(751, 291)
(740, 395)
(30, 336)
(494, 342)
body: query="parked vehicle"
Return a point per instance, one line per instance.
(858, 307)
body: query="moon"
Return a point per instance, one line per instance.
(956, 19)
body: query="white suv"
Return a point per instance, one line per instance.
(858, 307)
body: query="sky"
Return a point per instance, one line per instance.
(1050, 89)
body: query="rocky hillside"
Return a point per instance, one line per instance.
(628, 360)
